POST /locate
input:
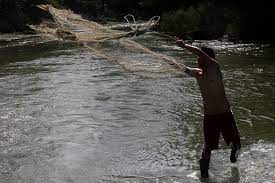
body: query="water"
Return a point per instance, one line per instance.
(67, 116)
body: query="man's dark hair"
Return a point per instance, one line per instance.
(208, 51)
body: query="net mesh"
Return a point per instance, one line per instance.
(114, 45)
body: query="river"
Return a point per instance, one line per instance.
(69, 117)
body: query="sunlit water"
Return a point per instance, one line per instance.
(67, 116)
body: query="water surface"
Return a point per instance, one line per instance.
(69, 116)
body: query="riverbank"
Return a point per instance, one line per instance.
(195, 20)
(15, 16)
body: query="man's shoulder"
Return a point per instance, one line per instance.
(214, 63)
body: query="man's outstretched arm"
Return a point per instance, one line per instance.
(191, 48)
(188, 70)
(195, 72)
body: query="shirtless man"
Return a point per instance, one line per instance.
(218, 117)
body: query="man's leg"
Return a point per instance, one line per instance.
(231, 135)
(211, 141)
(236, 145)
(233, 154)
(204, 162)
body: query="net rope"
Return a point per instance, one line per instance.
(113, 45)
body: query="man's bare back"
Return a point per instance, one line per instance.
(212, 90)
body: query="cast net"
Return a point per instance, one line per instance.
(104, 42)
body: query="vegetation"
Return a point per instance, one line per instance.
(192, 19)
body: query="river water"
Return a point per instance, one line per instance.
(67, 116)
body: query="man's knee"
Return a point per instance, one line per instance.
(207, 149)
(206, 153)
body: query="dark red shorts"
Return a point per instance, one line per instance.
(223, 123)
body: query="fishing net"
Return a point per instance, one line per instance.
(104, 42)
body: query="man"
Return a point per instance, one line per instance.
(218, 117)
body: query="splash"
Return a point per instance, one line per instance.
(258, 163)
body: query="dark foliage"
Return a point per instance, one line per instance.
(192, 19)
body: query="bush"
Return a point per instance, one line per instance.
(181, 22)
(203, 21)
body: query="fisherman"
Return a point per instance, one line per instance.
(218, 117)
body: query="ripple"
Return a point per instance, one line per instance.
(68, 116)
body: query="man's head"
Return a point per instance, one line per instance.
(209, 52)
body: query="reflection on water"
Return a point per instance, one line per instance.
(67, 116)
